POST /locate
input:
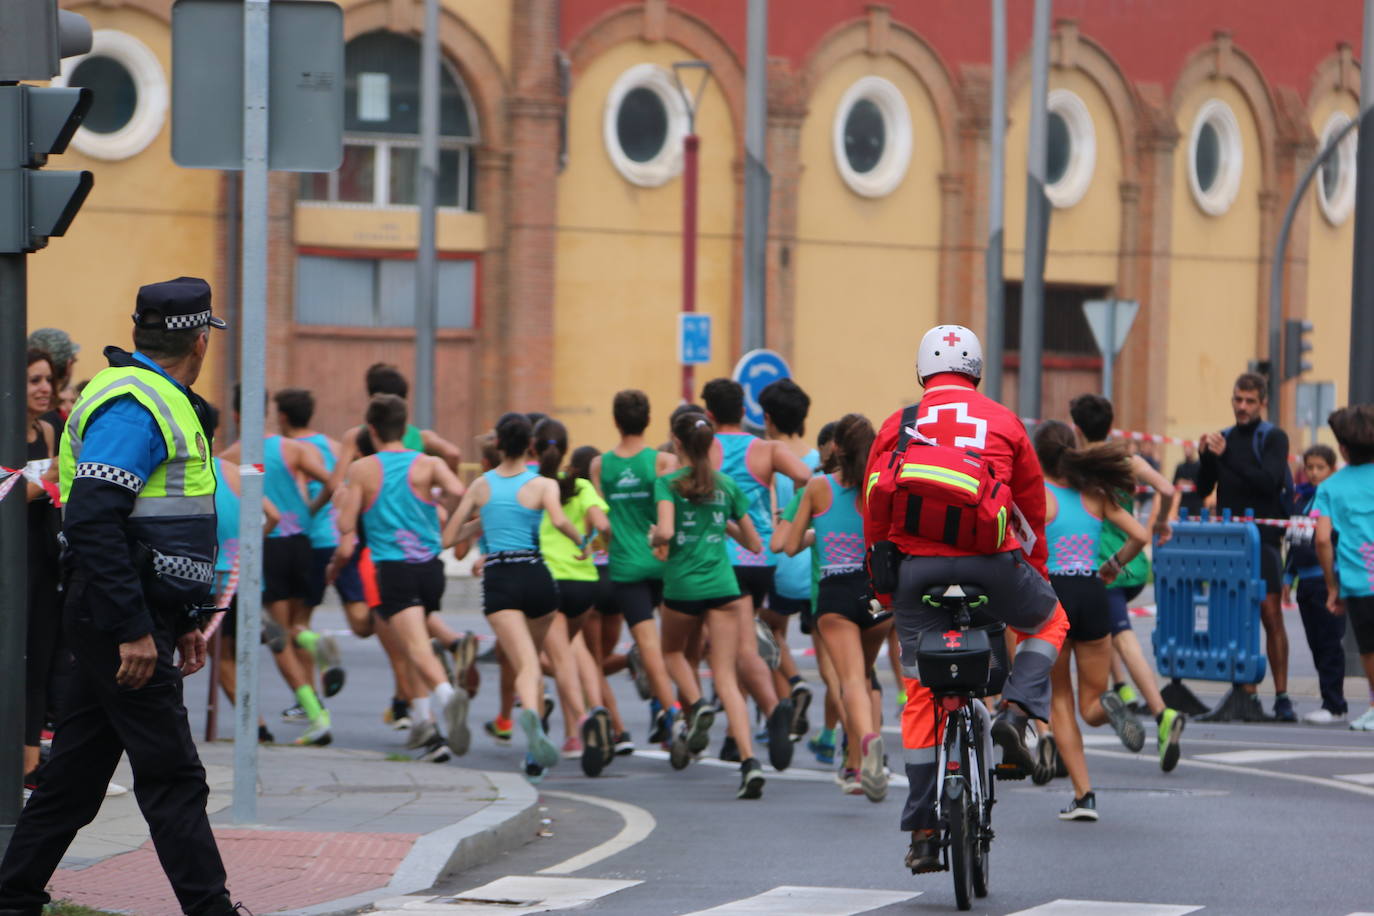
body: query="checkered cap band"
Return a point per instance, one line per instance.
(183, 568)
(110, 474)
(182, 322)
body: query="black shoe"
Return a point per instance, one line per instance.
(924, 855)
(624, 745)
(548, 711)
(597, 738)
(435, 750)
(1283, 709)
(220, 906)
(1081, 809)
(750, 779)
(1046, 760)
(729, 751)
(1009, 733)
(780, 735)
(801, 702)
(661, 732)
(264, 736)
(699, 723)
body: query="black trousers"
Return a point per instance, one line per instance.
(99, 722)
(1324, 633)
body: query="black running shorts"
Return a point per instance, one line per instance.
(1086, 604)
(518, 581)
(695, 607)
(781, 604)
(1360, 610)
(348, 583)
(637, 600)
(406, 585)
(575, 596)
(756, 582)
(286, 564)
(846, 594)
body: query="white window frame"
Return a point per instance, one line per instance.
(1230, 163)
(1337, 209)
(382, 145)
(667, 165)
(150, 108)
(887, 175)
(1078, 174)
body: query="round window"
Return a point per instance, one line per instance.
(1215, 157)
(1336, 188)
(644, 125)
(1071, 149)
(872, 137)
(128, 95)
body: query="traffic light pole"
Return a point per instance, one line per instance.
(1029, 377)
(1362, 298)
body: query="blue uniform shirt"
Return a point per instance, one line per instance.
(123, 434)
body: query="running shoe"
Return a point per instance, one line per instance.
(1046, 758)
(824, 751)
(597, 741)
(1171, 723)
(572, 747)
(750, 779)
(779, 735)
(464, 659)
(317, 733)
(114, 790)
(769, 650)
(549, 707)
(294, 715)
(1365, 723)
(396, 713)
(624, 745)
(729, 750)
(698, 733)
(459, 736)
(500, 734)
(1009, 733)
(537, 741)
(801, 702)
(445, 659)
(264, 736)
(872, 771)
(678, 754)
(659, 733)
(1323, 716)
(330, 661)
(435, 751)
(534, 773)
(849, 781)
(421, 733)
(1123, 721)
(635, 665)
(1081, 809)
(1283, 709)
(924, 854)
(1129, 696)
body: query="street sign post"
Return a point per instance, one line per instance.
(1315, 402)
(693, 338)
(1110, 321)
(755, 371)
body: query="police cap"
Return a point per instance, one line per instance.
(175, 305)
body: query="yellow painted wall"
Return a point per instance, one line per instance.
(618, 282)
(145, 220)
(491, 20)
(867, 268)
(1084, 238)
(341, 226)
(1214, 280)
(1329, 266)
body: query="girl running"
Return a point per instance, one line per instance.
(695, 507)
(852, 634)
(1081, 486)
(518, 593)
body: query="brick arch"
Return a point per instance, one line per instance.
(463, 47)
(654, 22)
(904, 45)
(1339, 72)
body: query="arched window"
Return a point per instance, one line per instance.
(382, 130)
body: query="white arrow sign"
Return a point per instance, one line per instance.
(1110, 321)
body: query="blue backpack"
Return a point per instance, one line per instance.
(1287, 495)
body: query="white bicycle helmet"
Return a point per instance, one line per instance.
(949, 348)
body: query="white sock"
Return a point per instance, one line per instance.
(419, 709)
(443, 694)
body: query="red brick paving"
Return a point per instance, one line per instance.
(268, 870)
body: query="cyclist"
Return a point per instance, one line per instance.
(949, 366)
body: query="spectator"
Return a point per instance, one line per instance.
(1324, 630)
(1247, 465)
(1185, 479)
(61, 352)
(1145, 498)
(1345, 507)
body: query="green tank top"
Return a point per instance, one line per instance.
(1137, 572)
(413, 439)
(628, 485)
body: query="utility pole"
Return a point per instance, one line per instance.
(995, 333)
(691, 153)
(426, 270)
(757, 181)
(1037, 222)
(1362, 299)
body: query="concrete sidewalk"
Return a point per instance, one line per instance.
(338, 829)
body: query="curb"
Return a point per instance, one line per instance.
(509, 822)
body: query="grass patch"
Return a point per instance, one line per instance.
(400, 758)
(67, 908)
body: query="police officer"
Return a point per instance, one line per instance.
(138, 488)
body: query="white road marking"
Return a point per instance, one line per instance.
(638, 825)
(791, 774)
(1264, 756)
(513, 895)
(1248, 771)
(1364, 779)
(808, 901)
(1104, 908)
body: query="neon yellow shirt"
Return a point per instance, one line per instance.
(560, 554)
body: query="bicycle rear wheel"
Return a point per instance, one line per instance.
(960, 810)
(982, 820)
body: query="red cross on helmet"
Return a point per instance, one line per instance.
(949, 348)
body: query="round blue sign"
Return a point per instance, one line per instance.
(755, 371)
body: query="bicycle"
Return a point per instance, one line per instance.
(957, 665)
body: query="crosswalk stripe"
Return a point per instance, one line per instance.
(1364, 779)
(791, 774)
(1265, 756)
(789, 900)
(1104, 908)
(513, 895)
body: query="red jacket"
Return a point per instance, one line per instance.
(954, 413)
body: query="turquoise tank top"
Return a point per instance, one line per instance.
(507, 525)
(280, 486)
(401, 526)
(793, 577)
(1073, 535)
(226, 521)
(840, 531)
(324, 527)
(734, 464)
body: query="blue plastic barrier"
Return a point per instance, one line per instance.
(1208, 592)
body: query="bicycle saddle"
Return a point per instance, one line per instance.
(954, 591)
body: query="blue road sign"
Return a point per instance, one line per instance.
(693, 338)
(755, 371)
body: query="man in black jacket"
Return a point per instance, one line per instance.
(1247, 465)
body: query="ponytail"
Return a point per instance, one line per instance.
(550, 445)
(1101, 467)
(853, 436)
(695, 434)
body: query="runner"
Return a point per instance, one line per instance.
(752, 464)
(1324, 630)
(852, 633)
(625, 477)
(1081, 488)
(392, 492)
(518, 593)
(695, 508)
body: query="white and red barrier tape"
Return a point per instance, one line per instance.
(9, 477)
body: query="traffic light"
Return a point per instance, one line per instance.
(1295, 346)
(36, 122)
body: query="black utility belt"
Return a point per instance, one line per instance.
(511, 557)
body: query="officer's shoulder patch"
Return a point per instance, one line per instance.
(201, 449)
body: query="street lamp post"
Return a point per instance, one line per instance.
(691, 150)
